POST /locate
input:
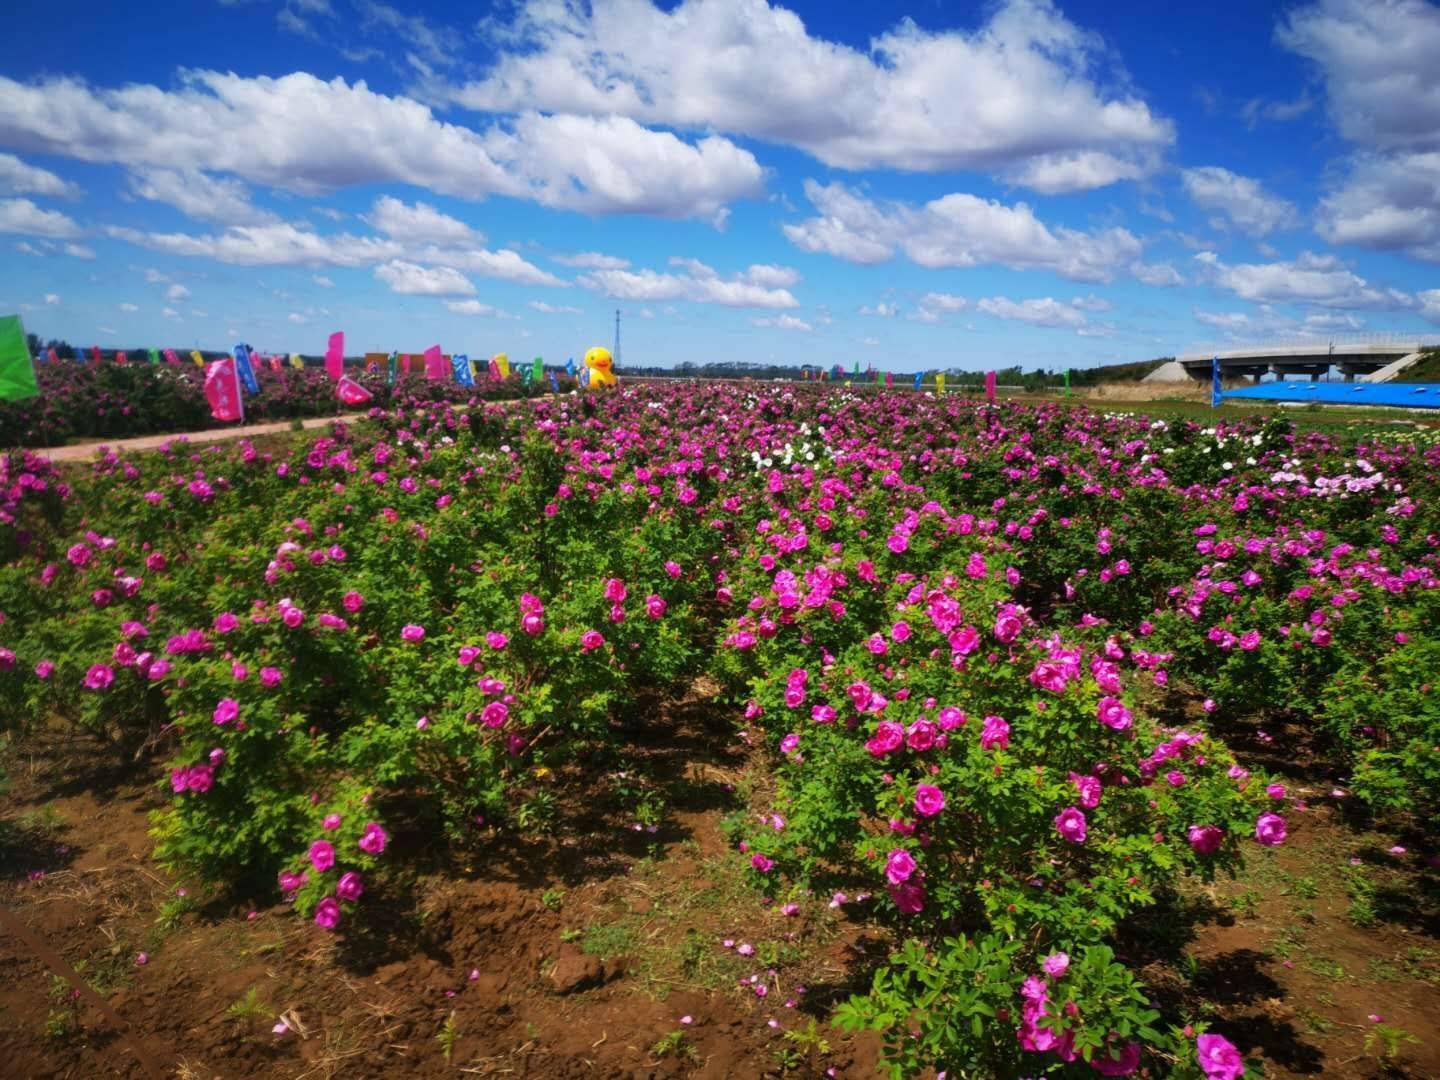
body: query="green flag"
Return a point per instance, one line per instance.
(1067, 382)
(537, 371)
(154, 356)
(17, 370)
(392, 365)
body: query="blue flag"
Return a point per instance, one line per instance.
(554, 382)
(570, 367)
(244, 370)
(1215, 394)
(919, 378)
(460, 363)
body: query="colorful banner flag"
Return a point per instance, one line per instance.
(919, 378)
(537, 370)
(171, 357)
(153, 355)
(939, 382)
(222, 390)
(405, 363)
(95, 354)
(554, 383)
(274, 362)
(52, 355)
(199, 360)
(122, 357)
(351, 392)
(335, 356)
(434, 363)
(392, 369)
(1067, 382)
(889, 380)
(494, 370)
(1215, 390)
(17, 370)
(245, 370)
(460, 364)
(990, 387)
(526, 374)
(570, 367)
(503, 362)
(296, 362)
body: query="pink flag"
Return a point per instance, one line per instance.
(434, 363)
(170, 357)
(222, 390)
(52, 355)
(351, 392)
(990, 387)
(889, 379)
(405, 363)
(121, 357)
(335, 356)
(95, 353)
(274, 363)
(494, 370)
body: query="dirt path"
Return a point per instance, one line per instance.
(84, 451)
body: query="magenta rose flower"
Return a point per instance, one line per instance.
(899, 866)
(1219, 1058)
(350, 886)
(929, 800)
(1205, 839)
(412, 634)
(1270, 830)
(99, 677)
(327, 913)
(228, 709)
(322, 855)
(1070, 823)
(373, 839)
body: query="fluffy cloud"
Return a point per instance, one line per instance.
(18, 178)
(1378, 64)
(883, 310)
(199, 195)
(957, 230)
(323, 281)
(1021, 91)
(1388, 202)
(1430, 305)
(24, 217)
(309, 136)
(474, 307)
(1309, 278)
(177, 293)
(784, 322)
(1240, 199)
(554, 309)
(79, 251)
(409, 279)
(591, 260)
(420, 223)
(1039, 312)
(129, 308)
(699, 283)
(1158, 274)
(935, 304)
(773, 277)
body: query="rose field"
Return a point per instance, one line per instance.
(721, 731)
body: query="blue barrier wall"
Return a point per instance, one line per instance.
(1403, 395)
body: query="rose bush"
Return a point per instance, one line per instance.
(988, 657)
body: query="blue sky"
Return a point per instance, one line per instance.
(961, 185)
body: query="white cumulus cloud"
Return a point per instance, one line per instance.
(19, 178)
(1240, 199)
(411, 280)
(24, 217)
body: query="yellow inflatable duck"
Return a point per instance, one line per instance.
(601, 368)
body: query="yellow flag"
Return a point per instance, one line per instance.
(296, 362)
(199, 360)
(939, 382)
(503, 363)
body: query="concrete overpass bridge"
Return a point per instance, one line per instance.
(1373, 357)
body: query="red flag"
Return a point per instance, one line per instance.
(222, 390)
(52, 355)
(351, 392)
(170, 357)
(95, 353)
(434, 363)
(121, 357)
(990, 387)
(335, 356)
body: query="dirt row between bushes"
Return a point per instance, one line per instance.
(87, 450)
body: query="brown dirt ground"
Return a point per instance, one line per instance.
(634, 921)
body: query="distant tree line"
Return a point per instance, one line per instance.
(1038, 379)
